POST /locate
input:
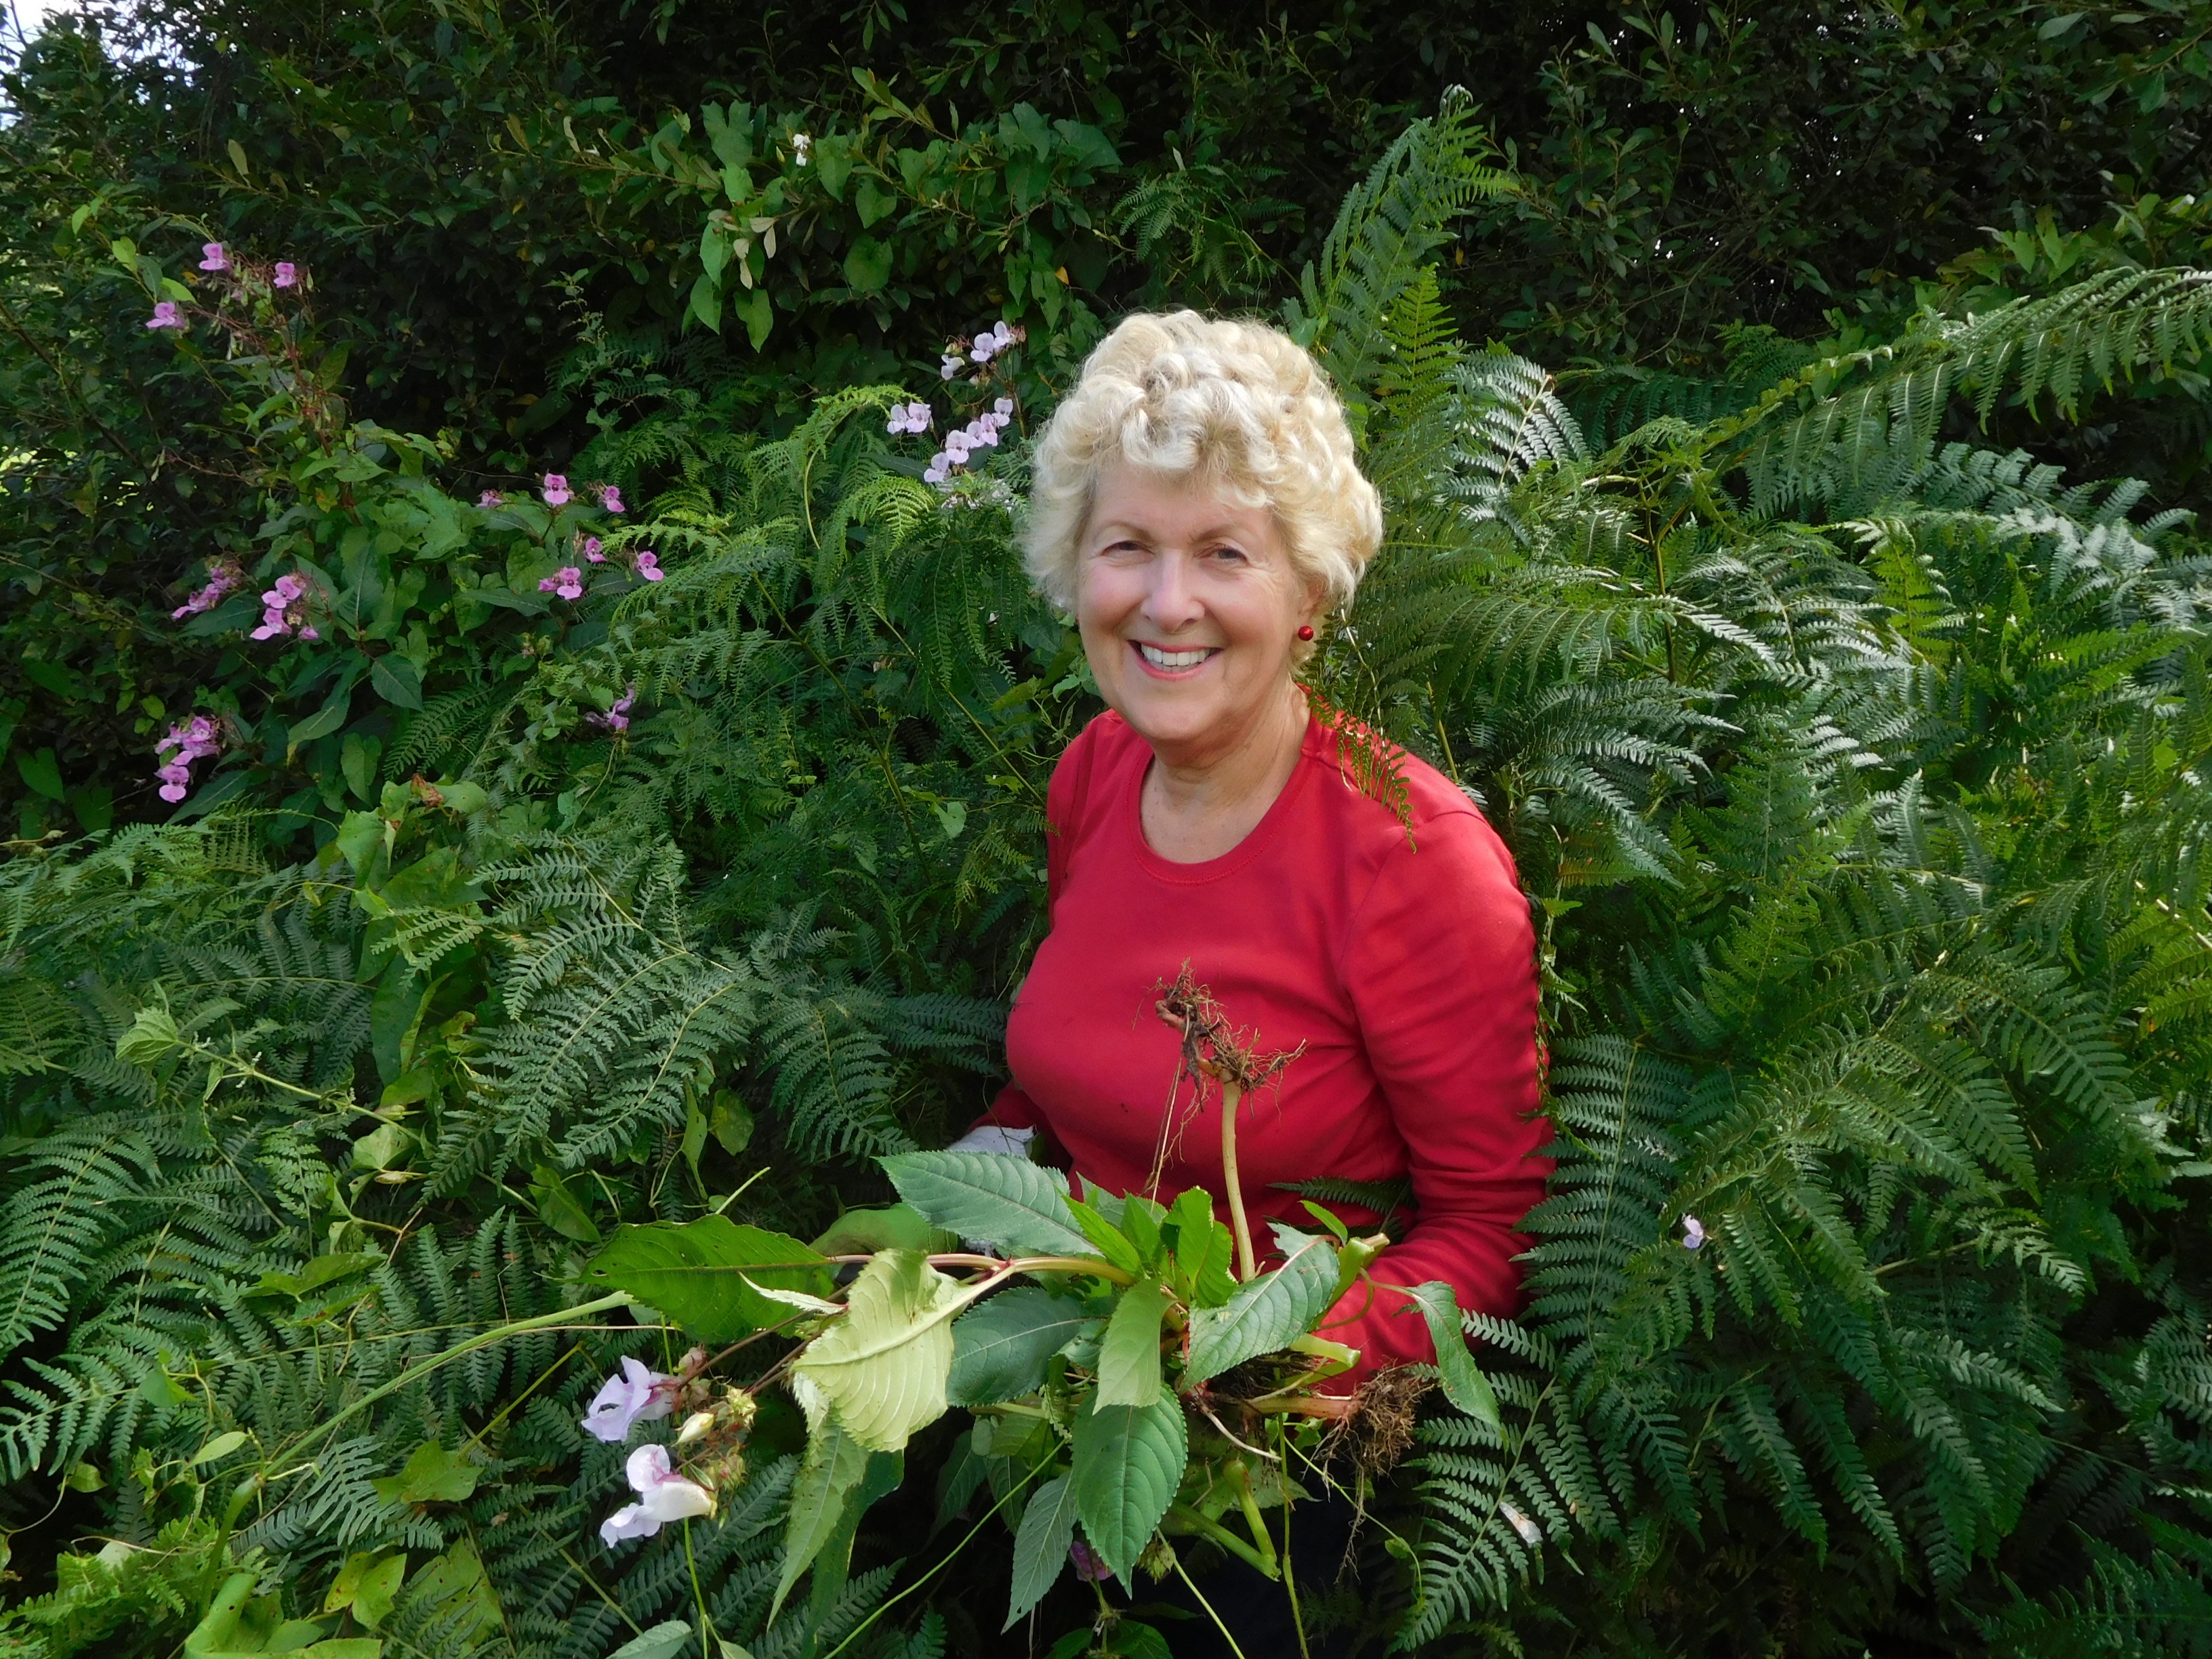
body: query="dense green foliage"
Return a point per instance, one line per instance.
(1773, 580)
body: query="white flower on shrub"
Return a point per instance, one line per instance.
(663, 1496)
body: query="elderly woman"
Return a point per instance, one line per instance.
(1198, 505)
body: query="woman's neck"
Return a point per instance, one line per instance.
(1196, 807)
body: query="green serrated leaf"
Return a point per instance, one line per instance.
(999, 1347)
(883, 1367)
(1128, 1461)
(833, 1465)
(1129, 1354)
(1263, 1314)
(432, 1475)
(397, 680)
(1464, 1384)
(1040, 1544)
(1014, 1203)
(695, 1273)
(1107, 1239)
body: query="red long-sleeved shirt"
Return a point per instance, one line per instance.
(1406, 967)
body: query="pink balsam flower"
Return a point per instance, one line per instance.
(166, 315)
(567, 582)
(221, 578)
(611, 497)
(288, 274)
(594, 549)
(664, 1496)
(636, 1395)
(556, 492)
(616, 718)
(491, 499)
(283, 609)
(193, 739)
(648, 565)
(212, 257)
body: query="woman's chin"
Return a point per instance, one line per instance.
(1171, 723)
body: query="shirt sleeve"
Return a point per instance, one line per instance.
(1441, 962)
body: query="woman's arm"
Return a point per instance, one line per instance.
(1442, 964)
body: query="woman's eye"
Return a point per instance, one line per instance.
(1230, 555)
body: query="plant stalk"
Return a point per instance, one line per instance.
(1247, 1268)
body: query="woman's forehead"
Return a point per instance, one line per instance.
(1129, 499)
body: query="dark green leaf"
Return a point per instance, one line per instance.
(1040, 1544)
(1000, 1346)
(1128, 1461)
(1464, 1384)
(1009, 1201)
(1263, 1315)
(695, 1273)
(1129, 1355)
(397, 680)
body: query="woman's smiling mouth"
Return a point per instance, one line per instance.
(1164, 660)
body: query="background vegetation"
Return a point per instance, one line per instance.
(1754, 390)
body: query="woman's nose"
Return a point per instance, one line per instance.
(1170, 598)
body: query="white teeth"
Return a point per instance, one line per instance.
(1160, 659)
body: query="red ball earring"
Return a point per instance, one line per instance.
(1306, 631)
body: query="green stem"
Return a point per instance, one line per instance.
(483, 1339)
(1247, 1268)
(1261, 1536)
(1183, 1515)
(1210, 1612)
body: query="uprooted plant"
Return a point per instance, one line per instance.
(1146, 1382)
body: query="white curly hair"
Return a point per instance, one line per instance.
(1240, 406)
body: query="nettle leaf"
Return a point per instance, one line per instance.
(1128, 1461)
(999, 1346)
(833, 1464)
(1129, 1355)
(1265, 1315)
(1464, 1384)
(695, 1273)
(883, 1367)
(1015, 1204)
(1040, 1544)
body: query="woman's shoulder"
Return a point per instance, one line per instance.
(1403, 819)
(1099, 750)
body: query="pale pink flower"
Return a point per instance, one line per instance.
(212, 257)
(648, 565)
(664, 1496)
(166, 315)
(567, 582)
(634, 1395)
(1693, 1233)
(221, 578)
(594, 549)
(491, 499)
(611, 497)
(283, 609)
(288, 274)
(556, 492)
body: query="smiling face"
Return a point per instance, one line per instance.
(1189, 608)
